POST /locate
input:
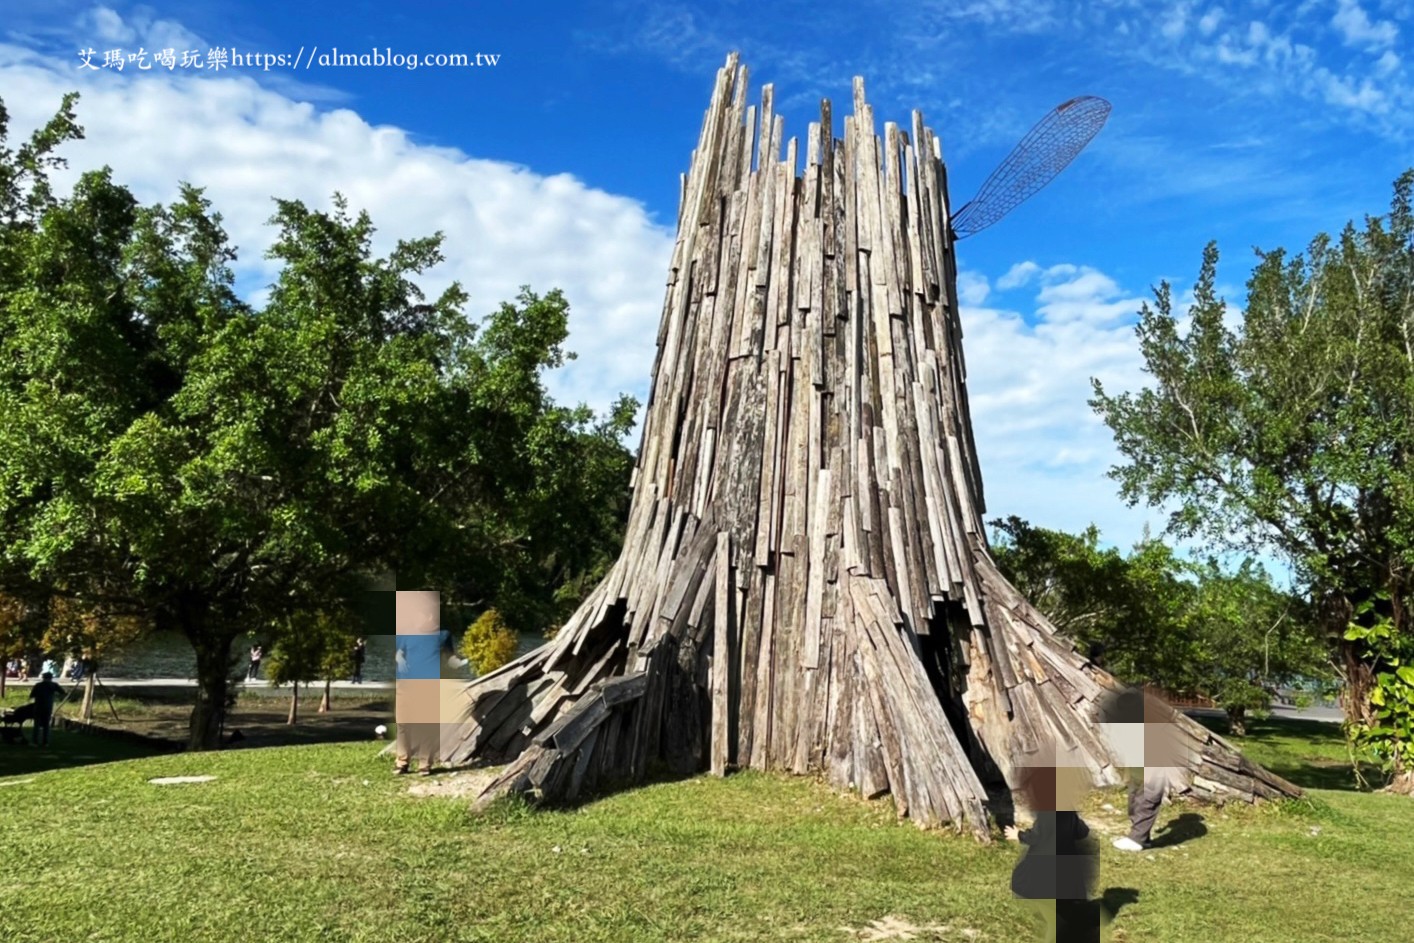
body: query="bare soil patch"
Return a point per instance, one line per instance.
(462, 784)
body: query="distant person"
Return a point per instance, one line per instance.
(257, 652)
(49, 668)
(360, 652)
(42, 694)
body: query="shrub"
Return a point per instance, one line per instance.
(489, 643)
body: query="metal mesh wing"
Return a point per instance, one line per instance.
(1034, 162)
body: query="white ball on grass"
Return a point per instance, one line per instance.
(380, 731)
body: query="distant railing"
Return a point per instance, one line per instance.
(1181, 700)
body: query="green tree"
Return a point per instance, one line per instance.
(489, 643)
(1189, 628)
(21, 628)
(308, 647)
(1249, 638)
(167, 448)
(1292, 431)
(1130, 608)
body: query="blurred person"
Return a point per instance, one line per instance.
(1144, 734)
(42, 694)
(421, 688)
(1057, 872)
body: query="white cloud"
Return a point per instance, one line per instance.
(102, 27)
(1210, 20)
(1357, 29)
(108, 25)
(1044, 453)
(1018, 275)
(505, 225)
(1175, 22)
(1346, 92)
(972, 288)
(1282, 51)
(1229, 52)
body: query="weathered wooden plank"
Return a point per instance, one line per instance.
(721, 656)
(810, 656)
(764, 670)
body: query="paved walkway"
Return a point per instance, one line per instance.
(191, 683)
(1331, 715)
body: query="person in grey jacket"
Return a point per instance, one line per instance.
(1143, 731)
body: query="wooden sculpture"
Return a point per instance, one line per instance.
(805, 582)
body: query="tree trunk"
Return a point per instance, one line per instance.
(805, 582)
(1402, 782)
(213, 661)
(1237, 721)
(324, 701)
(4, 676)
(294, 704)
(86, 710)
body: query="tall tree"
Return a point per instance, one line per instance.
(1292, 430)
(165, 446)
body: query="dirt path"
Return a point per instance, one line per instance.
(260, 720)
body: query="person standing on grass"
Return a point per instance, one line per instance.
(43, 696)
(360, 652)
(1058, 870)
(257, 652)
(1143, 731)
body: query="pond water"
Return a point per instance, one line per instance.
(170, 655)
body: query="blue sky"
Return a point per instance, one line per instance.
(1254, 123)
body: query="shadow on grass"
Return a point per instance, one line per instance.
(1116, 898)
(66, 749)
(1186, 827)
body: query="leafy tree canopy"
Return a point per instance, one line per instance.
(1293, 429)
(166, 447)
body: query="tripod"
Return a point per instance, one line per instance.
(99, 683)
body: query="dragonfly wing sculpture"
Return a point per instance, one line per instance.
(1046, 150)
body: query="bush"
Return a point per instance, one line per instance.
(489, 643)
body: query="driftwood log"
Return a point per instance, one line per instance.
(805, 582)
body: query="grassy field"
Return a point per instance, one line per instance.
(322, 843)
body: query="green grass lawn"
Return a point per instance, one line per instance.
(322, 843)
